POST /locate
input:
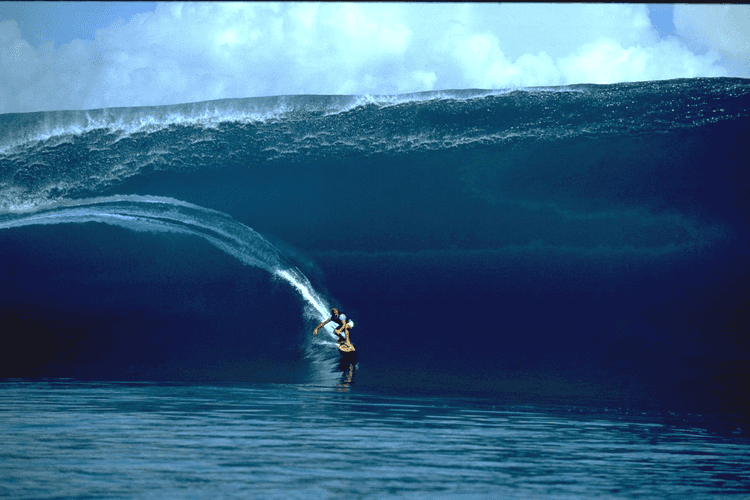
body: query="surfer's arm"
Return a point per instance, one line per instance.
(315, 332)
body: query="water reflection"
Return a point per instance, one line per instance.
(347, 365)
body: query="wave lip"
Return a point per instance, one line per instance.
(25, 128)
(57, 155)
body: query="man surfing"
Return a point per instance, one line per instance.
(344, 325)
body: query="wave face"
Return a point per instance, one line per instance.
(538, 222)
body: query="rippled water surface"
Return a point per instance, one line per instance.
(112, 440)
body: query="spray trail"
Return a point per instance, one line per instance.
(159, 214)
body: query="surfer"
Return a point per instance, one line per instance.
(343, 323)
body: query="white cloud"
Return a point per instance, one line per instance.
(201, 51)
(721, 29)
(606, 61)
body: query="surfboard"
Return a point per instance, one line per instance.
(346, 347)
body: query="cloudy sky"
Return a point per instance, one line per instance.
(68, 55)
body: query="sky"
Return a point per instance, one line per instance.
(88, 55)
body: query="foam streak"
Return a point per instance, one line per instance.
(158, 214)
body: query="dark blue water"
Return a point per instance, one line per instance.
(141, 440)
(575, 247)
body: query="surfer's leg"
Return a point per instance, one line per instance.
(337, 331)
(346, 327)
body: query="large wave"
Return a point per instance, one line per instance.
(453, 200)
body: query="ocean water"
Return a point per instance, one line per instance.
(550, 289)
(66, 439)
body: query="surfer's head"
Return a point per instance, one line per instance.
(334, 312)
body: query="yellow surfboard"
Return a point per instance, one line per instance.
(346, 347)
